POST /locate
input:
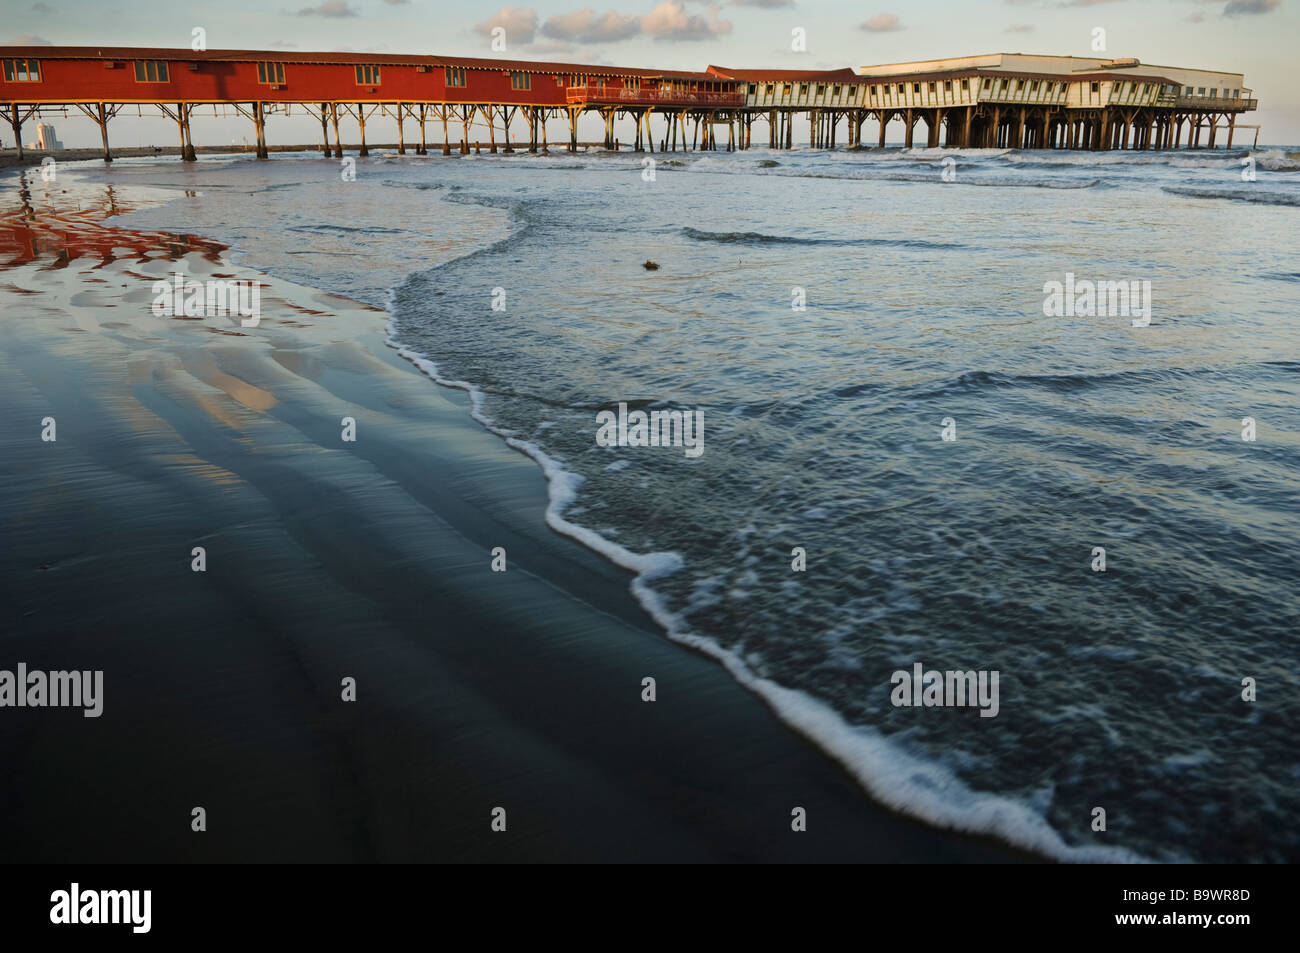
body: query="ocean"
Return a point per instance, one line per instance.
(883, 389)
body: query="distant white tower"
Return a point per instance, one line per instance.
(45, 137)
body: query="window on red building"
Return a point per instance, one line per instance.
(151, 71)
(271, 73)
(22, 71)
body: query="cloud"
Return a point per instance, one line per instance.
(40, 8)
(882, 23)
(1020, 28)
(396, 3)
(1247, 8)
(29, 41)
(520, 24)
(670, 21)
(588, 26)
(329, 8)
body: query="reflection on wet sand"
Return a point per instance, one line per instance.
(64, 223)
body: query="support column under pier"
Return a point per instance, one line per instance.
(334, 119)
(259, 126)
(325, 130)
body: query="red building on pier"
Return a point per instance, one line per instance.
(98, 81)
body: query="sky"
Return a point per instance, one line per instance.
(1256, 37)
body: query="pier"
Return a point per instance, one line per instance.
(1019, 101)
(995, 101)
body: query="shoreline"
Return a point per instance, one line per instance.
(475, 689)
(33, 157)
(873, 763)
(9, 158)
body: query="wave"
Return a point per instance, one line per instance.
(938, 151)
(320, 227)
(875, 171)
(1004, 182)
(1254, 196)
(874, 165)
(759, 238)
(1124, 157)
(933, 178)
(417, 186)
(1275, 160)
(1061, 383)
(895, 778)
(883, 768)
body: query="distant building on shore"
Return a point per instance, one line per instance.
(45, 137)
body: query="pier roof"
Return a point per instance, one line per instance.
(588, 69)
(220, 56)
(340, 57)
(930, 76)
(1047, 66)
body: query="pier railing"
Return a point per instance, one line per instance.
(1211, 103)
(1014, 97)
(657, 96)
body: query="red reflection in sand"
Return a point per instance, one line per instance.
(61, 234)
